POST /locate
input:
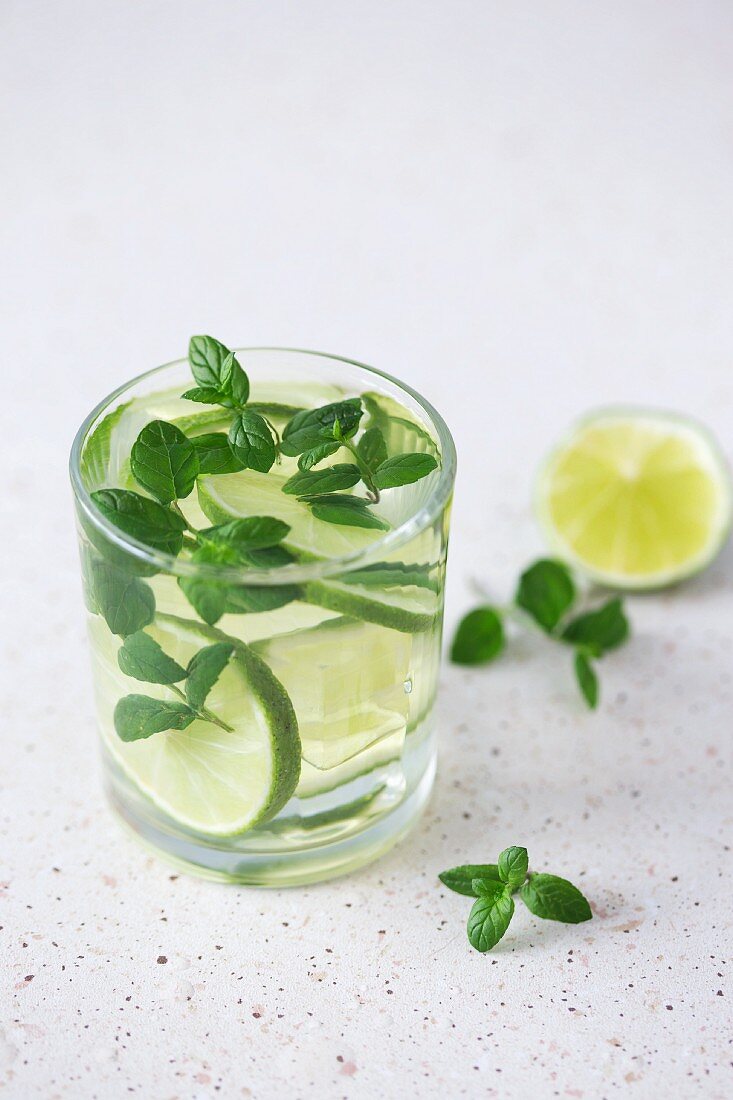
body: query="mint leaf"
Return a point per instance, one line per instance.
(216, 369)
(313, 427)
(397, 574)
(207, 597)
(126, 602)
(164, 462)
(555, 898)
(403, 469)
(143, 519)
(490, 915)
(546, 591)
(372, 449)
(248, 533)
(512, 865)
(350, 511)
(205, 395)
(313, 482)
(600, 630)
(587, 679)
(479, 637)
(268, 557)
(251, 441)
(215, 455)
(251, 599)
(461, 879)
(94, 464)
(141, 657)
(138, 716)
(204, 669)
(311, 458)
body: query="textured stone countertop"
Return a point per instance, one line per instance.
(524, 211)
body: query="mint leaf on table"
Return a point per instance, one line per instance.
(313, 427)
(479, 637)
(600, 630)
(311, 458)
(141, 657)
(372, 448)
(248, 533)
(217, 372)
(138, 716)
(403, 469)
(350, 511)
(587, 680)
(164, 461)
(546, 591)
(204, 669)
(143, 519)
(126, 603)
(555, 898)
(215, 455)
(331, 479)
(461, 879)
(493, 886)
(251, 441)
(490, 914)
(512, 866)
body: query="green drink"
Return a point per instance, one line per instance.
(263, 558)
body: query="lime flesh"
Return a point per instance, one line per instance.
(636, 499)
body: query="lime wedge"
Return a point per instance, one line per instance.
(637, 499)
(347, 682)
(207, 779)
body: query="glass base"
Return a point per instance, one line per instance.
(270, 865)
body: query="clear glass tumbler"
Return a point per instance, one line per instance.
(314, 750)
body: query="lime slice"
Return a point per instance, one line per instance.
(206, 779)
(227, 496)
(314, 781)
(637, 499)
(347, 682)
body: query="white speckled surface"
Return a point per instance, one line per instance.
(523, 210)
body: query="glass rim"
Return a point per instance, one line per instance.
(296, 572)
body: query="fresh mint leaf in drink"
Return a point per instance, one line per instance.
(494, 885)
(217, 372)
(248, 533)
(330, 479)
(403, 469)
(143, 658)
(204, 669)
(479, 637)
(251, 441)
(143, 519)
(308, 459)
(215, 455)
(372, 448)
(164, 462)
(311, 428)
(138, 716)
(350, 511)
(126, 602)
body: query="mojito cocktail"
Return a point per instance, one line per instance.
(263, 540)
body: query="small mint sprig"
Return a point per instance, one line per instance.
(316, 434)
(494, 885)
(546, 593)
(142, 658)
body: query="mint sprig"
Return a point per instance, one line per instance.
(494, 886)
(139, 716)
(546, 594)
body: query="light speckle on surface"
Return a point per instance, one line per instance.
(524, 211)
